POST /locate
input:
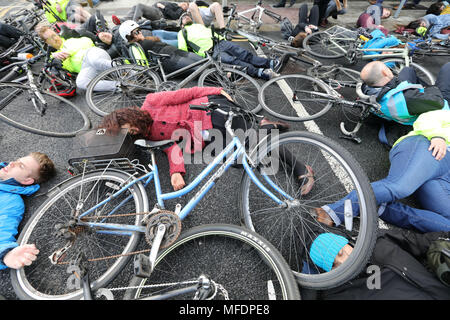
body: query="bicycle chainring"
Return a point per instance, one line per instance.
(172, 223)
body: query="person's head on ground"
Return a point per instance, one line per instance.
(186, 19)
(436, 8)
(386, 13)
(376, 74)
(50, 37)
(130, 32)
(137, 121)
(33, 168)
(105, 37)
(329, 251)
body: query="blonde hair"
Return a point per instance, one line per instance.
(46, 167)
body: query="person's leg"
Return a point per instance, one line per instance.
(403, 216)
(434, 195)
(228, 58)
(331, 7)
(244, 55)
(443, 81)
(169, 37)
(10, 31)
(150, 12)
(406, 175)
(195, 13)
(314, 15)
(303, 14)
(181, 59)
(95, 61)
(216, 11)
(280, 4)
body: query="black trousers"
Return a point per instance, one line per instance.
(304, 19)
(8, 35)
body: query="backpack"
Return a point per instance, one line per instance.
(438, 257)
(286, 28)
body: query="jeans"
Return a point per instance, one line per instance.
(95, 61)
(332, 9)
(234, 54)
(413, 171)
(169, 37)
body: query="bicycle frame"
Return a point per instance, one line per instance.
(258, 10)
(161, 197)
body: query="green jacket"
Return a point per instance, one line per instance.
(199, 39)
(51, 4)
(76, 48)
(431, 124)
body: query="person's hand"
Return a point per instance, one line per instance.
(58, 8)
(438, 146)
(160, 5)
(226, 95)
(60, 55)
(21, 256)
(177, 181)
(308, 30)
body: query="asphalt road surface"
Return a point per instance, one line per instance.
(221, 204)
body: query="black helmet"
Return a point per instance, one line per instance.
(438, 256)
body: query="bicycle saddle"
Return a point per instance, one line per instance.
(158, 55)
(149, 144)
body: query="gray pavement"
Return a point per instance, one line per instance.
(221, 204)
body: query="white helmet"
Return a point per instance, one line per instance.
(126, 28)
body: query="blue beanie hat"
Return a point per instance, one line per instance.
(325, 248)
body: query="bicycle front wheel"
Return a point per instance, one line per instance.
(40, 112)
(120, 87)
(295, 97)
(239, 85)
(49, 280)
(324, 44)
(240, 263)
(397, 64)
(292, 226)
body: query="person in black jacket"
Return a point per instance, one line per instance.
(399, 271)
(159, 10)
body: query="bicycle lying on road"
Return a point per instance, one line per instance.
(133, 82)
(102, 213)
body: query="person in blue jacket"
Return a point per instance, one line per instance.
(17, 179)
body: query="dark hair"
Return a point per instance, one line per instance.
(414, 24)
(435, 8)
(134, 116)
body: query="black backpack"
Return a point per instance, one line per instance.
(286, 28)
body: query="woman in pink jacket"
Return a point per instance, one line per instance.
(163, 114)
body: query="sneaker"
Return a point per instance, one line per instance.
(322, 216)
(115, 20)
(268, 74)
(281, 4)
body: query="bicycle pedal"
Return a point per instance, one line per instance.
(142, 266)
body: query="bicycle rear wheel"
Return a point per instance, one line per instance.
(242, 264)
(22, 107)
(327, 44)
(295, 97)
(239, 85)
(397, 64)
(292, 227)
(44, 280)
(120, 87)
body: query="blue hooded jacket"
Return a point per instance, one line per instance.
(12, 208)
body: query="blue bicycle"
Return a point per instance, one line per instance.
(102, 214)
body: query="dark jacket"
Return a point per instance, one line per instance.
(417, 102)
(401, 256)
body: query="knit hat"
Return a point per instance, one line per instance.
(325, 248)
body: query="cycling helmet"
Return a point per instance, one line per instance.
(126, 28)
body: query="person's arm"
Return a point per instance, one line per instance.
(176, 166)
(180, 96)
(11, 214)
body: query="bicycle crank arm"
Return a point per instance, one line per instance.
(156, 244)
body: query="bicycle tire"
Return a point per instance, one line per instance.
(319, 44)
(134, 82)
(23, 115)
(292, 228)
(285, 97)
(421, 71)
(242, 88)
(242, 249)
(46, 281)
